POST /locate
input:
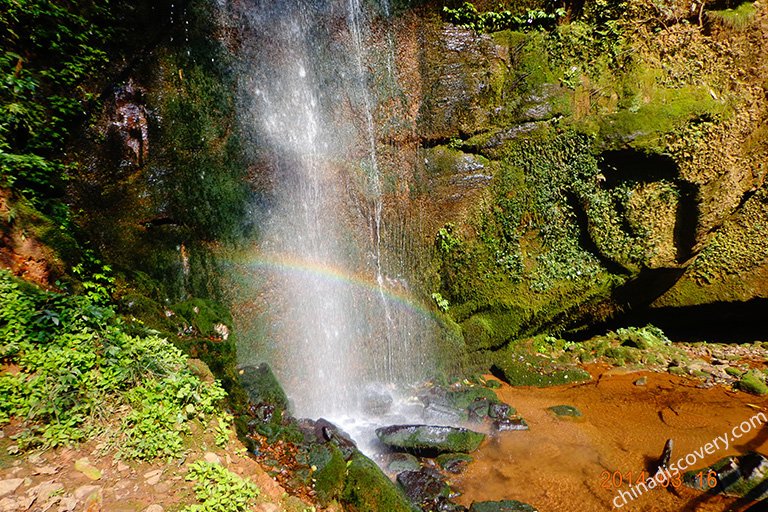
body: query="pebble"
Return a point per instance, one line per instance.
(211, 458)
(46, 470)
(123, 467)
(154, 508)
(84, 491)
(9, 486)
(642, 381)
(68, 504)
(45, 490)
(89, 470)
(153, 477)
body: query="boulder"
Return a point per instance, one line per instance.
(565, 411)
(262, 387)
(399, 462)
(367, 489)
(746, 475)
(376, 401)
(420, 439)
(426, 488)
(501, 506)
(509, 424)
(453, 462)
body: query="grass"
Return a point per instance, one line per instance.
(738, 18)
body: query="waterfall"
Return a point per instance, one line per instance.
(337, 324)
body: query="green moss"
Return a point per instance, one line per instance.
(330, 470)
(643, 123)
(753, 382)
(738, 18)
(522, 369)
(367, 489)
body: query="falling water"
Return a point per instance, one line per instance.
(336, 323)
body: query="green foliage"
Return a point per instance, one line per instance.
(76, 366)
(442, 302)
(48, 51)
(738, 18)
(219, 490)
(467, 16)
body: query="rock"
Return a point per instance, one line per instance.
(84, 491)
(453, 462)
(211, 458)
(426, 488)
(367, 488)
(45, 490)
(153, 477)
(268, 507)
(565, 411)
(325, 431)
(478, 410)
(753, 382)
(262, 387)
(88, 469)
(10, 485)
(736, 476)
(642, 381)
(68, 504)
(501, 410)
(462, 398)
(427, 438)
(329, 468)
(666, 454)
(94, 501)
(154, 508)
(122, 467)
(399, 462)
(501, 506)
(510, 424)
(376, 401)
(442, 412)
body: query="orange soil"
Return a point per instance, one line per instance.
(562, 465)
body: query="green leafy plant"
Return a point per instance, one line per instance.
(492, 21)
(219, 490)
(75, 367)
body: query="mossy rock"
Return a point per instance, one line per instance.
(330, 470)
(421, 439)
(453, 462)
(565, 411)
(367, 489)
(753, 382)
(501, 506)
(521, 369)
(399, 462)
(464, 397)
(204, 316)
(736, 476)
(262, 387)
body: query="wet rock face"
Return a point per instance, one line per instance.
(129, 128)
(457, 72)
(421, 439)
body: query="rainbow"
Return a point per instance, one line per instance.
(333, 274)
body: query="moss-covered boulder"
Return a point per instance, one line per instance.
(421, 439)
(330, 469)
(733, 476)
(453, 462)
(367, 489)
(753, 382)
(565, 411)
(262, 387)
(399, 462)
(501, 506)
